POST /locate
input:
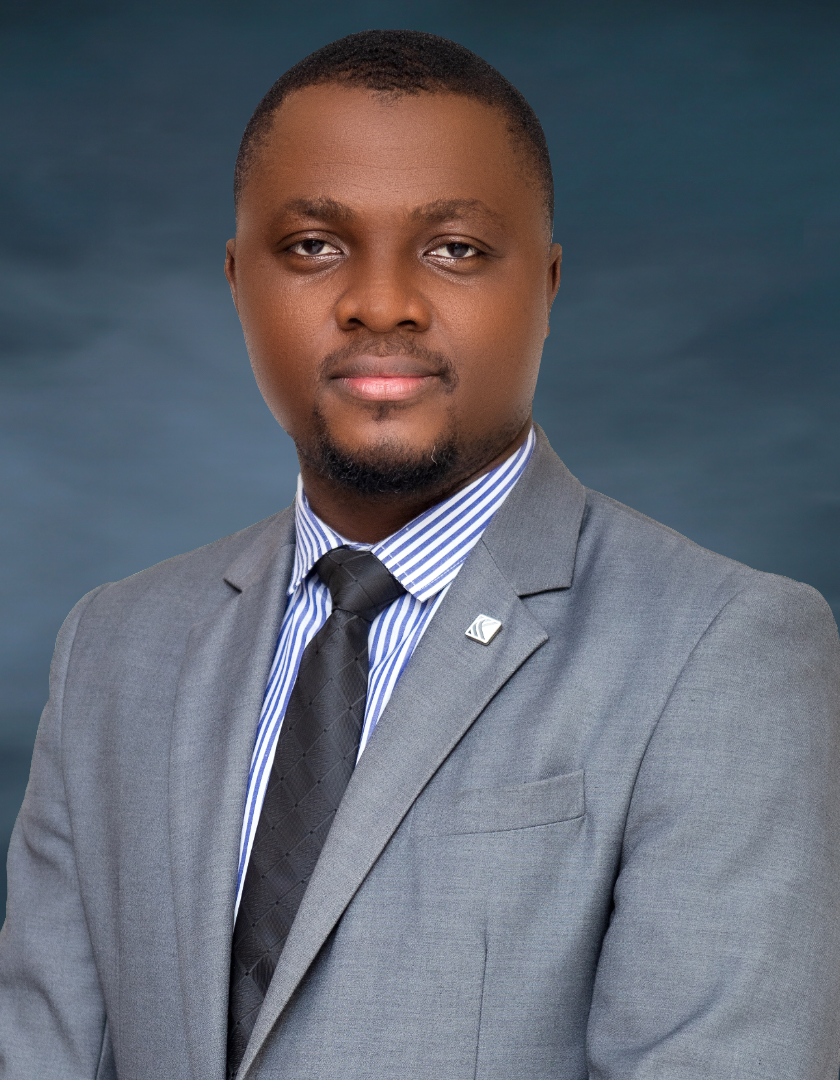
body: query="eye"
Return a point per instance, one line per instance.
(455, 250)
(314, 247)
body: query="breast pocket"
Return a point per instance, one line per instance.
(502, 809)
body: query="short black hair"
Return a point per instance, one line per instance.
(401, 62)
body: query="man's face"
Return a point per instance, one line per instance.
(393, 274)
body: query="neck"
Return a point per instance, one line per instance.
(369, 519)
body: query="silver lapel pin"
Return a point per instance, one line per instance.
(483, 629)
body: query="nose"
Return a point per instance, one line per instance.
(383, 295)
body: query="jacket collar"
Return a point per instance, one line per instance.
(533, 538)
(255, 562)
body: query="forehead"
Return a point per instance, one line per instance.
(377, 151)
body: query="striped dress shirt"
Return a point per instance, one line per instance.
(425, 557)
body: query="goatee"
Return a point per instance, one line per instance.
(391, 472)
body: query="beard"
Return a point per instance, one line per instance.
(386, 471)
(392, 470)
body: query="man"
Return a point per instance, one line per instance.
(455, 768)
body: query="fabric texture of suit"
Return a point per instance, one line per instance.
(605, 846)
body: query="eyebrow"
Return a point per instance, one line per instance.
(320, 208)
(448, 209)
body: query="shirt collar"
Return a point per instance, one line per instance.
(426, 554)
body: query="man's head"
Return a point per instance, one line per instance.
(392, 266)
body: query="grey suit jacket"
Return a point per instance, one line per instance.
(603, 846)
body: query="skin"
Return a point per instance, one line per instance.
(393, 274)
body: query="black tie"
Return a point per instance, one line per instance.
(314, 760)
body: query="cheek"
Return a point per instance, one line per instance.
(282, 336)
(273, 317)
(497, 344)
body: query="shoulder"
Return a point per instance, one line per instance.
(186, 586)
(647, 565)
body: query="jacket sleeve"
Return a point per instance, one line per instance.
(722, 958)
(52, 1016)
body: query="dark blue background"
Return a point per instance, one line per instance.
(692, 369)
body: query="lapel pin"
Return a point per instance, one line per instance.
(483, 629)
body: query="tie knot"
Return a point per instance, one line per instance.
(358, 582)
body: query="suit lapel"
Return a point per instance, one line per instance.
(221, 687)
(421, 725)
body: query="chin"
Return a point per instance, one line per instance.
(392, 467)
(387, 470)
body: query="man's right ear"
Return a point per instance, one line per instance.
(230, 269)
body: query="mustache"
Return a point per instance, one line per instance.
(437, 363)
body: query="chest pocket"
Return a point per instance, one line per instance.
(502, 809)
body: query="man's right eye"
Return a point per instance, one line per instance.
(314, 247)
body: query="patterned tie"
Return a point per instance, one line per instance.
(314, 760)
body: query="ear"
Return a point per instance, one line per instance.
(555, 256)
(230, 269)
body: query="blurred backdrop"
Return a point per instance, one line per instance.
(692, 369)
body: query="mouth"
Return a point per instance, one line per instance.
(385, 378)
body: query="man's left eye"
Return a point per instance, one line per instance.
(455, 250)
(314, 247)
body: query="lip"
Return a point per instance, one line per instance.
(384, 378)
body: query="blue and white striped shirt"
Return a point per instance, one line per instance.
(425, 557)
